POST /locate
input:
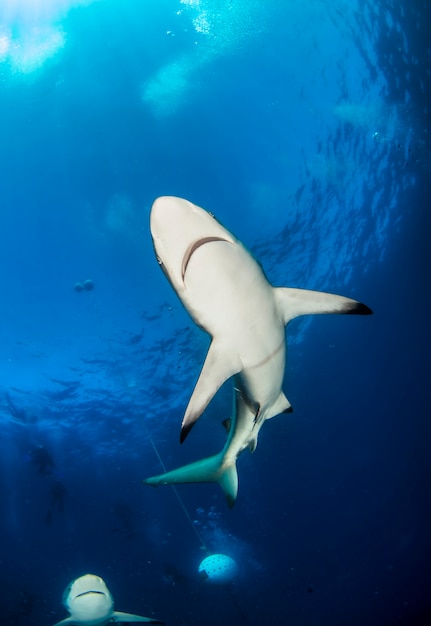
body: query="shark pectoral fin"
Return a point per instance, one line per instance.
(220, 364)
(209, 470)
(119, 616)
(68, 620)
(294, 302)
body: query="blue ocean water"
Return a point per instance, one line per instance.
(304, 126)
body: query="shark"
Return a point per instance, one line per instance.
(90, 603)
(226, 292)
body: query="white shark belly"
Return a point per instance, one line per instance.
(262, 384)
(228, 295)
(226, 290)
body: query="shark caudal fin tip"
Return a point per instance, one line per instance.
(148, 481)
(230, 501)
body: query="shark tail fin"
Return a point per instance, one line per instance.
(294, 302)
(213, 469)
(120, 617)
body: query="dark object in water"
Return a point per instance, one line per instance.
(42, 459)
(87, 285)
(58, 491)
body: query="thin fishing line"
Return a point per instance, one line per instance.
(203, 546)
(242, 615)
(202, 543)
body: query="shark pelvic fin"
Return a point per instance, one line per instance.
(281, 405)
(210, 470)
(120, 617)
(219, 365)
(294, 302)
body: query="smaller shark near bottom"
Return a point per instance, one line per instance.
(90, 603)
(227, 294)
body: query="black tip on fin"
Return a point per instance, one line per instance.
(360, 309)
(184, 432)
(288, 410)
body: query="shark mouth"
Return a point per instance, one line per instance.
(192, 249)
(87, 593)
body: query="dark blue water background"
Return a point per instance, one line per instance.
(304, 126)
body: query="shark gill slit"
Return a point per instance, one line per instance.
(195, 245)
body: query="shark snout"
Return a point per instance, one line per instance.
(179, 228)
(168, 214)
(176, 224)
